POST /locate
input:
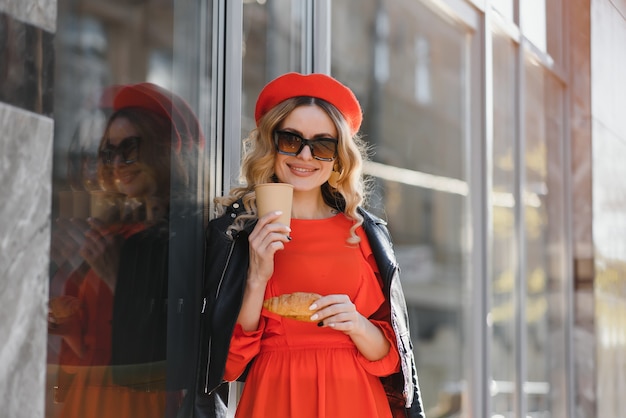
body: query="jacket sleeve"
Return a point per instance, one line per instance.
(388, 364)
(244, 346)
(402, 388)
(225, 273)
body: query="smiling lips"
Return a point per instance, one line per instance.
(302, 170)
(126, 176)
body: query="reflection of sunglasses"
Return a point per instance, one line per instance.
(289, 143)
(128, 150)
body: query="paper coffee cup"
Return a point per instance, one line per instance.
(66, 204)
(271, 197)
(80, 204)
(105, 206)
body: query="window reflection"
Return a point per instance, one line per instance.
(127, 207)
(111, 243)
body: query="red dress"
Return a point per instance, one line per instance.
(302, 370)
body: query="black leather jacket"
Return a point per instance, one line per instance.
(225, 277)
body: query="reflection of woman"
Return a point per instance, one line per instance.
(355, 358)
(114, 348)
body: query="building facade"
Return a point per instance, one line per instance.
(496, 141)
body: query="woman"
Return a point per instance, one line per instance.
(355, 358)
(113, 358)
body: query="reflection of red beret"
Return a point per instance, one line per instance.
(162, 102)
(107, 96)
(319, 86)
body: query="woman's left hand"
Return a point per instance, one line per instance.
(338, 312)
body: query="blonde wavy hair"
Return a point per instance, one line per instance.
(259, 154)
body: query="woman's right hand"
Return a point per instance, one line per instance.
(101, 250)
(70, 329)
(266, 238)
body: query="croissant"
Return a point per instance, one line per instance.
(64, 307)
(292, 305)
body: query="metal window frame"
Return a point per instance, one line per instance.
(321, 36)
(231, 74)
(568, 268)
(520, 404)
(481, 185)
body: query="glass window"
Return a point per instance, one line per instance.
(542, 188)
(540, 343)
(504, 262)
(505, 8)
(126, 250)
(409, 65)
(533, 22)
(548, 38)
(272, 45)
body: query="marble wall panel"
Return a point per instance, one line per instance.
(25, 193)
(41, 13)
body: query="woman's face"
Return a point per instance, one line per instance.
(303, 171)
(130, 176)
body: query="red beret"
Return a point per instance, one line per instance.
(319, 86)
(162, 102)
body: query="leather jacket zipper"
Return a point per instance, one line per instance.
(217, 293)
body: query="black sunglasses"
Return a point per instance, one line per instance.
(290, 143)
(128, 149)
